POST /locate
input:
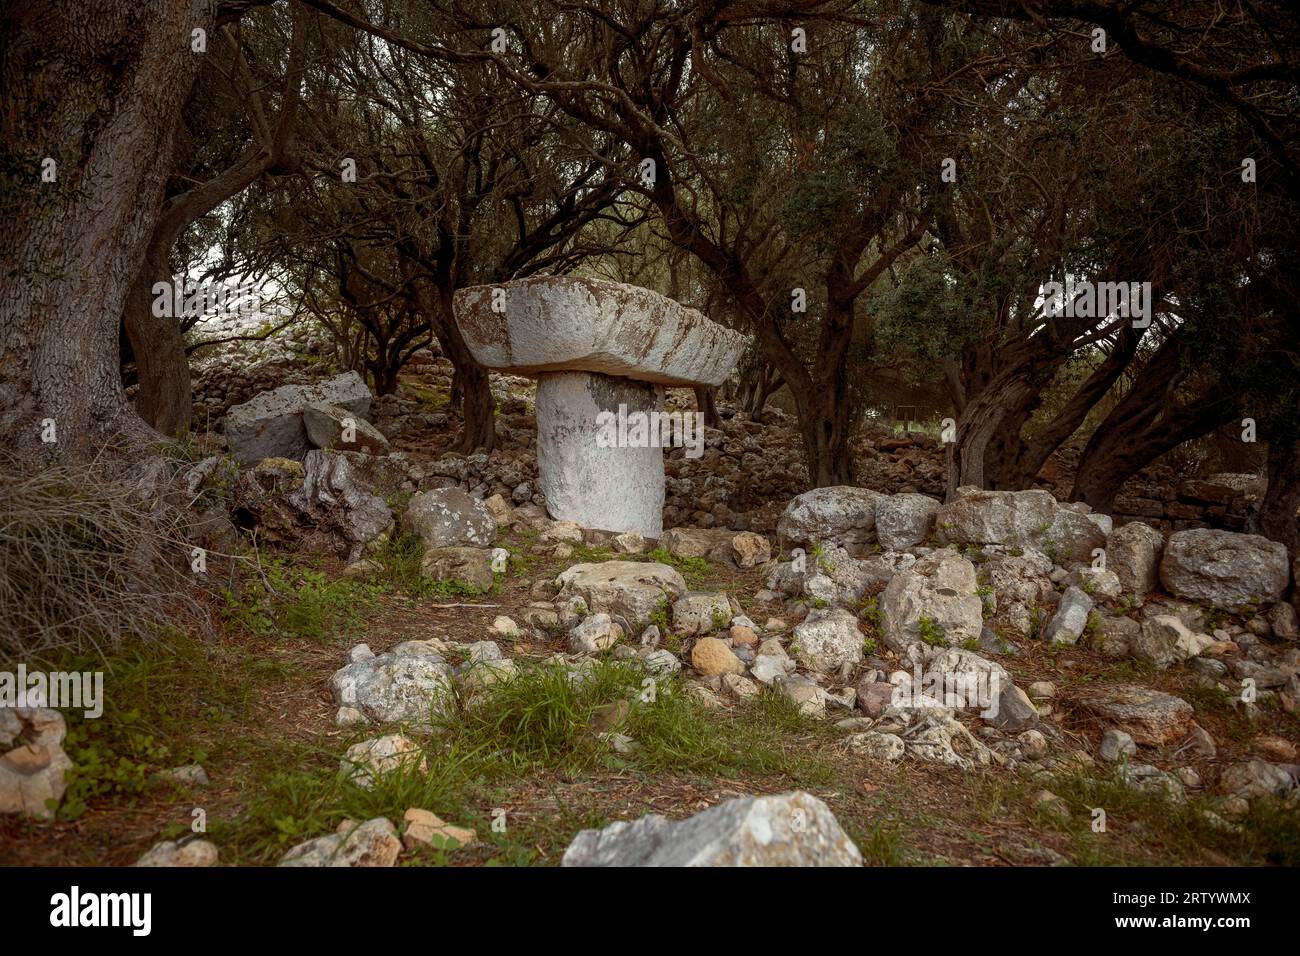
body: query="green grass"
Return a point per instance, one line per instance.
(694, 570)
(1142, 825)
(536, 724)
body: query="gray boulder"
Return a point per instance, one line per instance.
(1225, 569)
(270, 425)
(450, 518)
(402, 685)
(788, 829)
(631, 590)
(336, 428)
(1133, 553)
(828, 639)
(932, 601)
(1071, 617)
(1024, 519)
(841, 515)
(904, 520)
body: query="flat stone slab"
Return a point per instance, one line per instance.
(565, 324)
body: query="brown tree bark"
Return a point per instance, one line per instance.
(1146, 423)
(1277, 512)
(164, 399)
(705, 401)
(96, 86)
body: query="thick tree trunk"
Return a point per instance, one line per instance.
(478, 407)
(164, 399)
(96, 87)
(825, 424)
(1026, 458)
(1277, 512)
(1142, 427)
(708, 406)
(982, 429)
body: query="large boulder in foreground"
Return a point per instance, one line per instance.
(1023, 519)
(270, 425)
(631, 590)
(1225, 569)
(787, 829)
(840, 515)
(934, 602)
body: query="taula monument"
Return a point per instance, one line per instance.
(597, 349)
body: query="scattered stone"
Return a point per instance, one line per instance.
(803, 693)
(450, 518)
(1148, 779)
(840, 515)
(505, 627)
(424, 828)
(629, 542)
(904, 520)
(750, 550)
(631, 590)
(1256, 778)
(1115, 744)
(879, 746)
(373, 843)
(1150, 716)
(789, 829)
(469, 566)
(33, 771)
(742, 636)
(711, 657)
(1025, 519)
(1015, 711)
(182, 853)
(827, 640)
(402, 685)
(700, 614)
(1071, 617)
(337, 429)
(767, 668)
(1098, 583)
(933, 601)
(271, 424)
(739, 687)
(1032, 744)
(1284, 621)
(594, 634)
(1164, 640)
(1133, 552)
(369, 760)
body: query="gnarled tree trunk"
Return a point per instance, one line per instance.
(95, 86)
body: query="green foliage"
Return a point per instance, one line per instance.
(931, 632)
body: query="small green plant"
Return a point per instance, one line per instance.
(931, 632)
